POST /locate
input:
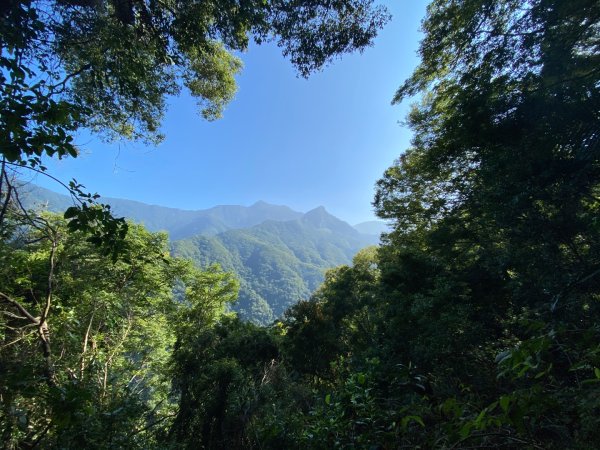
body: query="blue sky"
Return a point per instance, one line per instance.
(284, 139)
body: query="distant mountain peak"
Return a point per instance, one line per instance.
(319, 214)
(178, 222)
(320, 218)
(318, 211)
(278, 262)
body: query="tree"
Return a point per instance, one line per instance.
(495, 250)
(474, 325)
(222, 373)
(85, 341)
(337, 320)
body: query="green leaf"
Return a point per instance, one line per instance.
(465, 430)
(504, 402)
(406, 420)
(71, 212)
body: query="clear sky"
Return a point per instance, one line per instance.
(284, 139)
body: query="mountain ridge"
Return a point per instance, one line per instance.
(279, 255)
(181, 223)
(278, 263)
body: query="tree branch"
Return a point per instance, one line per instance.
(20, 307)
(15, 341)
(63, 83)
(85, 344)
(13, 316)
(153, 424)
(8, 190)
(41, 172)
(458, 445)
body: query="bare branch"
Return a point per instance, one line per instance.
(50, 279)
(20, 307)
(153, 424)
(17, 329)
(15, 341)
(85, 344)
(63, 83)
(41, 172)
(8, 190)
(13, 316)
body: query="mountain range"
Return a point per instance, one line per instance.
(279, 255)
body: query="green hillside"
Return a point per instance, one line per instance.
(279, 255)
(278, 263)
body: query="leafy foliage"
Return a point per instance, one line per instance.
(220, 373)
(474, 325)
(108, 65)
(86, 340)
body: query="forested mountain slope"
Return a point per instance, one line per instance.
(96, 318)
(279, 255)
(278, 263)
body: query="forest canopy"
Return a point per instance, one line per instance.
(475, 323)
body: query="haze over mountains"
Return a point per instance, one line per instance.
(182, 223)
(279, 255)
